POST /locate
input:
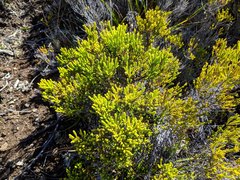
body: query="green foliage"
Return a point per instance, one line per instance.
(146, 120)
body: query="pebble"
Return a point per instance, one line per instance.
(31, 145)
(10, 89)
(4, 147)
(16, 84)
(27, 105)
(19, 163)
(36, 124)
(36, 120)
(15, 129)
(3, 113)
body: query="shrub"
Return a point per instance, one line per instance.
(147, 124)
(225, 145)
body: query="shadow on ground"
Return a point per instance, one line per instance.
(41, 153)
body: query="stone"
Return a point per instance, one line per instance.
(27, 105)
(19, 163)
(4, 146)
(16, 84)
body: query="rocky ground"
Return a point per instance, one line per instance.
(29, 131)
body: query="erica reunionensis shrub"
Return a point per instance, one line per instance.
(142, 124)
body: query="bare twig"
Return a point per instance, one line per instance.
(7, 52)
(15, 111)
(44, 147)
(30, 84)
(4, 86)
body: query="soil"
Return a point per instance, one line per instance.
(33, 144)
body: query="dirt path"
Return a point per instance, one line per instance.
(25, 121)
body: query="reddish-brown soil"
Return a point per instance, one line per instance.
(31, 146)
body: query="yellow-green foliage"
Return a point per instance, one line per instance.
(156, 25)
(225, 145)
(162, 108)
(129, 114)
(126, 83)
(222, 2)
(217, 79)
(168, 172)
(214, 87)
(224, 15)
(117, 57)
(113, 146)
